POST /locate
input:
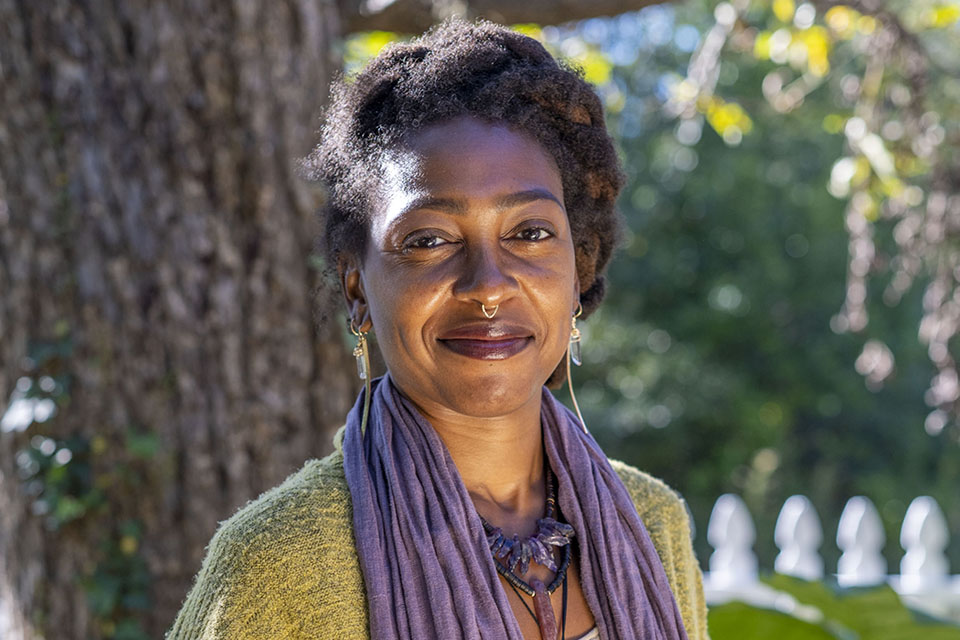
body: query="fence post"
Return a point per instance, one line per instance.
(860, 536)
(798, 535)
(924, 537)
(731, 534)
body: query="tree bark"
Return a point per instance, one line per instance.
(415, 16)
(154, 234)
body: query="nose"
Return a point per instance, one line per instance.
(486, 276)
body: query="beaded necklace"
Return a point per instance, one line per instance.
(539, 548)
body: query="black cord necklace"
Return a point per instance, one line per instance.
(539, 548)
(563, 609)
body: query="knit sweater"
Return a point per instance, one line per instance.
(284, 566)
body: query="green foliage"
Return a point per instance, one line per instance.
(55, 471)
(72, 483)
(117, 590)
(712, 363)
(874, 613)
(360, 48)
(142, 444)
(58, 471)
(738, 621)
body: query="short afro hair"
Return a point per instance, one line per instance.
(488, 72)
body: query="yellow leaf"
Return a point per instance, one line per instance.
(98, 444)
(891, 186)
(597, 70)
(866, 24)
(784, 10)
(842, 20)
(909, 165)
(128, 545)
(725, 116)
(833, 123)
(944, 16)
(363, 47)
(529, 29)
(761, 46)
(862, 172)
(817, 43)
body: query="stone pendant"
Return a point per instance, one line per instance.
(359, 352)
(575, 348)
(544, 610)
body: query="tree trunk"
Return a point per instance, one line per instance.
(156, 288)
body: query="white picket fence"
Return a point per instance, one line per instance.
(924, 581)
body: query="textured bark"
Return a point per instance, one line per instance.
(414, 16)
(150, 214)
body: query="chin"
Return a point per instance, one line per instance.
(491, 396)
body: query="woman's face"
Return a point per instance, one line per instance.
(468, 213)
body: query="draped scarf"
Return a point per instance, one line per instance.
(423, 553)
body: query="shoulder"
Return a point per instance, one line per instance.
(284, 565)
(298, 533)
(314, 500)
(665, 516)
(653, 493)
(659, 506)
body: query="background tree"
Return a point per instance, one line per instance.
(160, 362)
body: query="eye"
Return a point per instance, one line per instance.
(423, 240)
(534, 234)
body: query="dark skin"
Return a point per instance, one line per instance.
(470, 213)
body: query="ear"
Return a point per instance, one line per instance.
(351, 283)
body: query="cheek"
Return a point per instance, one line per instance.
(400, 305)
(555, 287)
(557, 279)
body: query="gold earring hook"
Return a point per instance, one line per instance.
(355, 331)
(361, 353)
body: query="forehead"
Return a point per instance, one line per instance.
(463, 159)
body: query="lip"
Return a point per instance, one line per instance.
(487, 341)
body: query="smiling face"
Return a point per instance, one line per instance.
(468, 213)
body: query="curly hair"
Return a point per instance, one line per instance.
(488, 72)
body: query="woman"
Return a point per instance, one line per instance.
(471, 215)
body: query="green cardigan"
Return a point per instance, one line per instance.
(284, 566)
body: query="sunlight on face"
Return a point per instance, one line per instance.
(470, 214)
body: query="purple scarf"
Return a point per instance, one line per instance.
(425, 560)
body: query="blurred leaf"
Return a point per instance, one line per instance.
(68, 508)
(873, 613)
(142, 444)
(738, 621)
(784, 10)
(363, 46)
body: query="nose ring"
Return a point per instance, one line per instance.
(491, 313)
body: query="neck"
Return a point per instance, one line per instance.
(500, 461)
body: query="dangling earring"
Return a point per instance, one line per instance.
(575, 337)
(573, 353)
(363, 370)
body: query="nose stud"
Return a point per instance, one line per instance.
(490, 313)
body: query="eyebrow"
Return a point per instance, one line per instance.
(458, 207)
